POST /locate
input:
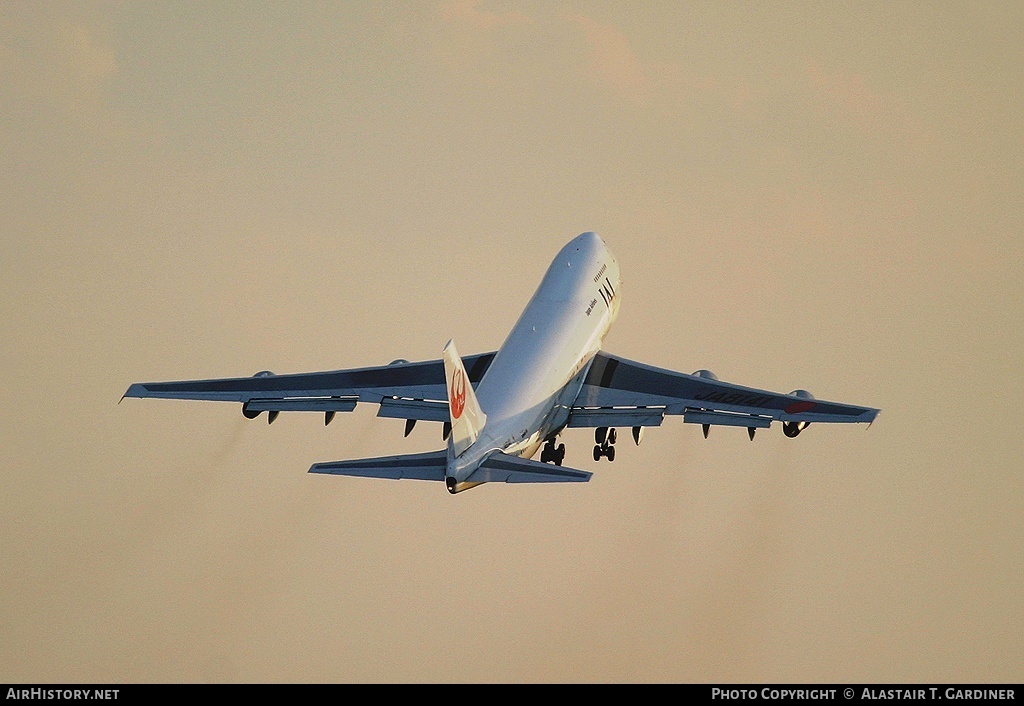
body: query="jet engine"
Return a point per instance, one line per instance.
(252, 413)
(793, 429)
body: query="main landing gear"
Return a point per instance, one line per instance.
(552, 453)
(604, 439)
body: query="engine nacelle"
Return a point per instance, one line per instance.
(455, 486)
(253, 413)
(793, 429)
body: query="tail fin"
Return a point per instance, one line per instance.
(467, 417)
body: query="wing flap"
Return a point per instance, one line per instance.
(422, 410)
(302, 404)
(616, 417)
(729, 419)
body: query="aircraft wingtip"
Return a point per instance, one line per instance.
(134, 390)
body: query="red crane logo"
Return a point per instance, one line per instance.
(458, 393)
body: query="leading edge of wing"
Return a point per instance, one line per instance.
(617, 382)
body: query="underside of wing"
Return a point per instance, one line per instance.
(620, 392)
(404, 390)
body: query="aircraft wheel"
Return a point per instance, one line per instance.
(612, 437)
(597, 453)
(560, 456)
(610, 453)
(600, 434)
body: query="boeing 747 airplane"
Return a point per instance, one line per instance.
(497, 409)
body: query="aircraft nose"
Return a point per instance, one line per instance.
(586, 242)
(585, 247)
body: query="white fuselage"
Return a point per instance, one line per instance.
(532, 382)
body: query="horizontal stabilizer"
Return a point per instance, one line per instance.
(502, 468)
(428, 466)
(498, 468)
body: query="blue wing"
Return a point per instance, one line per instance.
(620, 392)
(403, 390)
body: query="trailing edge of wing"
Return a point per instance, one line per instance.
(427, 466)
(616, 417)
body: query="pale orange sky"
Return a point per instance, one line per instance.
(801, 195)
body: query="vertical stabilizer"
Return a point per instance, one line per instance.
(467, 417)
